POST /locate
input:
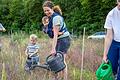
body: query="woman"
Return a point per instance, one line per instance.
(112, 39)
(56, 25)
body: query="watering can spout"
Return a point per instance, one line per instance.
(44, 66)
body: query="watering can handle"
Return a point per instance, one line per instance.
(61, 54)
(108, 62)
(56, 55)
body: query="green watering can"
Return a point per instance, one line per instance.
(104, 72)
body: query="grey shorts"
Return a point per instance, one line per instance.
(63, 44)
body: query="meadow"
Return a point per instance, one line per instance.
(12, 58)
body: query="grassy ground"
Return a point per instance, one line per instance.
(12, 58)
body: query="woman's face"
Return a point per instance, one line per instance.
(118, 5)
(48, 11)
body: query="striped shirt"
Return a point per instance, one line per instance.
(32, 48)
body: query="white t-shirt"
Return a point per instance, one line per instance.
(113, 22)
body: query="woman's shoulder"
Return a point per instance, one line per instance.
(57, 17)
(57, 20)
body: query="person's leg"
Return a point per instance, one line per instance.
(55, 76)
(63, 46)
(113, 56)
(118, 74)
(62, 75)
(65, 72)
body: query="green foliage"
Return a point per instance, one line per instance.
(26, 15)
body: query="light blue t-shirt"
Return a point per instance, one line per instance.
(58, 21)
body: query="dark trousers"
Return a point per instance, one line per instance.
(114, 57)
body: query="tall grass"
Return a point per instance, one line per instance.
(4, 75)
(12, 58)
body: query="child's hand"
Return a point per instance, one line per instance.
(30, 55)
(60, 33)
(45, 24)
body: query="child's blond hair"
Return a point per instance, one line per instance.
(33, 36)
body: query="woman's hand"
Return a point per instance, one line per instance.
(53, 52)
